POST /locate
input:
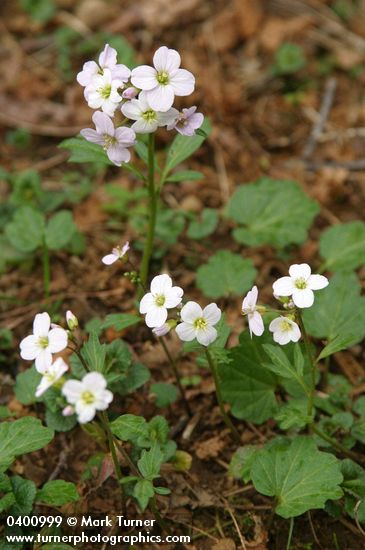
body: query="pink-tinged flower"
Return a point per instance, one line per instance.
(163, 296)
(44, 341)
(165, 80)
(71, 320)
(117, 253)
(107, 60)
(249, 308)
(69, 410)
(51, 376)
(199, 323)
(130, 93)
(147, 120)
(187, 122)
(161, 331)
(300, 285)
(284, 330)
(114, 140)
(103, 92)
(88, 395)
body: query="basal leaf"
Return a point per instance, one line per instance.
(60, 230)
(203, 226)
(129, 427)
(225, 273)
(166, 394)
(299, 476)
(343, 246)
(26, 230)
(26, 385)
(150, 462)
(120, 321)
(94, 353)
(143, 491)
(276, 212)
(57, 493)
(24, 491)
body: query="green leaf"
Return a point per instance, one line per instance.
(275, 212)
(84, 151)
(129, 427)
(242, 461)
(183, 147)
(150, 462)
(21, 436)
(343, 246)
(26, 385)
(60, 230)
(57, 493)
(120, 321)
(143, 491)
(185, 175)
(166, 394)
(225, 273)
(24, 492)
(289, 59)
(142, 150)
(338, 314)
(206, 225)
(94, 353)
(135, 377)
(299, 476)
(59, 423)
(26, 231)
(282, 366)
(6, 502)
(169, 226)
(246, 384)
(293, 414)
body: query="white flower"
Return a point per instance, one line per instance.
(198, 323)
(147, 120)
(163, 81)
(71, 320)
(255, 322)
(52, 374)
(163, 296)
(284, 330)
(117, 253)
(107, 60)
(102, 92)
(300, 285)
(88, 395)
(43, 342)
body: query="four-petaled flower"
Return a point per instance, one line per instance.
(284, 330)
(147, 120)
(187, 122)
(107, 60)
(102, 92)
(43, 342)
(163, 296)
(114, 140)
(198, 323)
(88, 395)
(249, 308)
(51, 376)
(117, 253)
(165, 80)
(300, 285)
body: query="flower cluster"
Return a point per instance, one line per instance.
(294, 291)
(144, 96)
(83, 397)
(193, 322)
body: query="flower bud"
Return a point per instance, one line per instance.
(71, 319)
(68, 410)
(130, 93)
(182, 461)
(165, 328)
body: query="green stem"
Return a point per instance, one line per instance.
(311, 361)
(335, 444)
(111, 445)
(227, 420)
(152, 207)
(46, 271)
(290, 534)
(177, 374)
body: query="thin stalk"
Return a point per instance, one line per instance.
(340, 448)
(152, 207)
(227, 420)
(311, 361)
(46, 271)
(118, 472)
(290, 534)
(177, 375)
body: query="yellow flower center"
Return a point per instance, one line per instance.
(163, 77)
(200, 323)
(108, 141)
(43, 341)
(160, 300)
(105, 91)
(301, 283)
(88, 397)
(286, 326)
(149, 115)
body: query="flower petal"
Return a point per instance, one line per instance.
(57, 340)
(94, 381)
(125, 136)
(156, 316)
(190, 312)
(41, 324)
(109, 259)
(108, 57)
(118, 154)
(29, 348)
(92, 135)
(144, 77)
(183, 82)
(132, 109)
(89, 70)
(72, 390)
(168, 117)
(143, 126)
(185, 332)
(317, 282)
(173, 296)
(298, 271)
(161, 97)
(85, 413)
(212, 314)
(146, 303)
(303, 297)
(103, 123)
(256, 324)
(43, 360)
(160, 284)
(166, 59)
(283, 286)
(206, 336)
(250, 299)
